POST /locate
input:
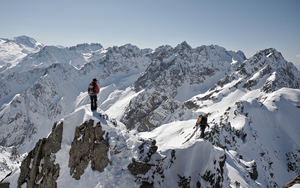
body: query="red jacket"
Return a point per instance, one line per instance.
(91, 93)
(96, 87)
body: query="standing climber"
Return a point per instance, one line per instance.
(93, 90)
(202, 122)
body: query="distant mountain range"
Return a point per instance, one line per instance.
(143, 133)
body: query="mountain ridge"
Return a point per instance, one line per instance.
(145, 92)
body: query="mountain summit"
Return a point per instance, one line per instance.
(13, 50)
(143, 133)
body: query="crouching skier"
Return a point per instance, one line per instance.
(202, 121)
(93, 90)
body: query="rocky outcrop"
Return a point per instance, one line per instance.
(90, 144)
(151, 168)
(150, 111)
(215, 177)
(140, 167)
(296, 180)
(137, 167)
(146, 149)
(38, 169)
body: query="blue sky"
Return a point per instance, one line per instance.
(243, 25)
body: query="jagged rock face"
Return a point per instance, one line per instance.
(160, 114)
(154, 172)
(150, 111)
(16, 83)
(43, 99)
(38, 169)
(127, 60)
(89, 145)
(86, 48)
(167, 73)
(137, 168)
(175, 66)
(266, 70)
(142, 110)
(270, 63)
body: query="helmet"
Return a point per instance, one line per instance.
(205, 115)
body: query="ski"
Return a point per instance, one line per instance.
(197, 127)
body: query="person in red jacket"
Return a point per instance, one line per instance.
(93, 90)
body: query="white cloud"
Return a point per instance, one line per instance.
(297, 55)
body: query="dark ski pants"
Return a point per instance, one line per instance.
(202, 132)
(93, 102)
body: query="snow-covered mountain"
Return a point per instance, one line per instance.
(176, 74)
(151, 100)
(13, 50)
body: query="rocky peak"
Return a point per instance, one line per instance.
(127, 48)
(39, 168)
(163, 48)
(86, 48)
(270, 67)
(272, 55)
(130, 47)
(182, 46)
(266, 70)
(27, 42)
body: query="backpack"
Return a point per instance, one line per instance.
(203, 122)
(199, 120)
(92, 89)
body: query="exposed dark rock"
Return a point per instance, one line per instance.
(38, 168)
(216, 179)
(147, 185)
(135, 115)
(89, 145)
(4, 185)
(137, 167)
(148, 149)
(191, 105)
(249, 84)
(157, 116)
(293, 158)
(184, 182)
(224, 81)
(296, 180)
(254, 173)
